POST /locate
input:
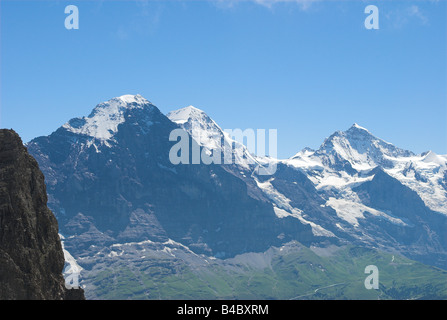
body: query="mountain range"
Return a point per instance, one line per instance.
(136, 224)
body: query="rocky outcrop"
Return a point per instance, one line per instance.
(31, 256)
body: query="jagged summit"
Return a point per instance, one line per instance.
(360, 148)
(355, 132)
(355, 149)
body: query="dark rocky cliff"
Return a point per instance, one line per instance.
(31, 255)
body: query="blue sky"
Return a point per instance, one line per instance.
(306, 68)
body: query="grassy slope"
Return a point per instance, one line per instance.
(300, 274)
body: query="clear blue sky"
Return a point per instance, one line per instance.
(305, 69)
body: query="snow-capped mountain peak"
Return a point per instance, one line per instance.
(360, 148)
(355, 126)
(198, 124)
(345, 157)
(182, 115)
(131, 99)
(431, 157)
(207, 133)
(103, 121)
(119, 104)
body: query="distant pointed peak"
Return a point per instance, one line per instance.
(192, 109)
(358, 127)
(432, 157)
(360, 148)
(182, 115)
(306, 151)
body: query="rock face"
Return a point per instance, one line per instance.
(31, 256)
